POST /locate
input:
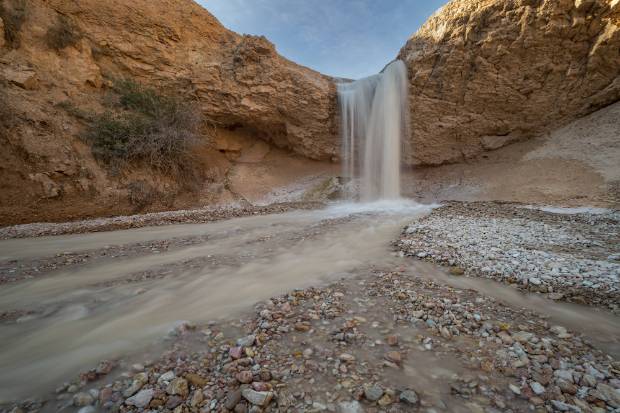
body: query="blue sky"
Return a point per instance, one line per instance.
(346, 38)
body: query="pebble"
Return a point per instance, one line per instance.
(410, 397)
(256, 397)
(373, 392)
(141, 399)
(166, 377)
(514, 389)
(350, 407)
(233, 398)
(394, 357)
(178, 387)
(537, 388)
(82, 399)
(245, 377)
(236, 352)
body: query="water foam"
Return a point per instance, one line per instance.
(373, 126)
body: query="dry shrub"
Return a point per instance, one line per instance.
(62, 34)
(6, 113)
(143, 126)
(141, 194)
(13, 14)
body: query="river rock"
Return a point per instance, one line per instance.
(236, 352)
(244, 376)
(166, 377)
(409, 396)
(609, 394)
(196, 380)
(141, 399)
(394, 357)
(139, 380)
(178, 387)
(537, 388)
(82, 399)
(258, 398)
(350, 407)
(373, 392)
(247, 341)
(232, 399)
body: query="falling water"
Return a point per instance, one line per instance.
(374, 122)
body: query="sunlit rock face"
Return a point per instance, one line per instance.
(484, 73)
(237, 80)
(243, 87)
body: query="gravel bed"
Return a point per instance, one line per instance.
(195, 216)
(369, 343)
(18, 270)
(573, 257)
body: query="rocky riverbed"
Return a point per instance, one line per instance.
(379, 341)
(368, 330)
(571, 255)
(190, 216)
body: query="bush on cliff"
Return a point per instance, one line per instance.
(62, 34)
(13, 14)
(144, 126)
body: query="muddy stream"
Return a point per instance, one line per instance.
(112, 306)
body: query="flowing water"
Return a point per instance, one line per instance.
(373, 124)
(84, 313)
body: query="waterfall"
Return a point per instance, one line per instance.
(373, 124)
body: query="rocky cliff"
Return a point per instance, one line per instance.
(485, 73)
(59, 59)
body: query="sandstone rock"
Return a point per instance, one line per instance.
(178, 387)
(50, 188)
(394, 357)
(238, 80)
(25, 78)
(485, 73)
(2, 40)
(196, 380)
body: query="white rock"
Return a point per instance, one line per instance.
(537, 388)
(350, 407)
(141, 399)
(167, 376)
(514, 389)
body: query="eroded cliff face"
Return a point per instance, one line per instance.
(246, 91)
(482, 73)
(485, 73)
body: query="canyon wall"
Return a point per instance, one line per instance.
(482, 73)
(485, 73)
(245, 90)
